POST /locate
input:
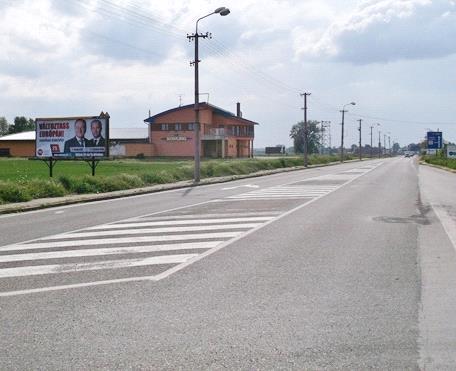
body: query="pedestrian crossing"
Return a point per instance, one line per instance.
(149, 242)
(151, 246)
(286, 191)
(307, 189)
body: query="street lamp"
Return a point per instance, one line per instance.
(223, 12)
(342, 139)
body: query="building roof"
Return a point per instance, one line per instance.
(25, 135)
(114, 133)
(128, 133)
(215, 109)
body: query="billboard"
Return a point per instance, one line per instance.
(434, 139)
(451, 151)
(72, 137)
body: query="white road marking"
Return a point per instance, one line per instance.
(107, 251)
(181, 222)
(293, 191)
(190, 260)
(448, 224)
(79, 267)
(240, 186)
(121, 232)
(271, 214)
(223, 245)
(43, 244)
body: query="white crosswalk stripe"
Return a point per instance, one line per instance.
(130, 231)
(302, 190)
(148, 246)
(160, 237)
(180, 222)
(107, 251)
(288, 191)
(78, 267)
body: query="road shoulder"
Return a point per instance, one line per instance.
(437, 257)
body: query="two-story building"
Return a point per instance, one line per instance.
(223, 134)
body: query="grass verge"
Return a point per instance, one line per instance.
(441, 161)
(25, 180)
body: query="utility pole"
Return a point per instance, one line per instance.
(180, 100)
(384, 143)
(196, 36)
(306, 134)
(342, 138)
(342, 134)
(360, 146)
(389, 144)
(223, 12)
(379, 145)
(326, 135)
(372, 150)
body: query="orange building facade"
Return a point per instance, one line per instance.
(223, 134)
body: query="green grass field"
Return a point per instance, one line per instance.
(441, 161)
(24, 180)
(15, 169)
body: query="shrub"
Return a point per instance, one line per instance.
(13, 192)
(38, 188)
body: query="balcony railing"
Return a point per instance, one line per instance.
(220, 133)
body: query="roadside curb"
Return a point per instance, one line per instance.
(438, 167)
(43, 203)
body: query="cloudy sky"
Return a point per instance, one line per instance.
(395, 58)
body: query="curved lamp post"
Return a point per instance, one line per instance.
(342, 139)
(223, 12)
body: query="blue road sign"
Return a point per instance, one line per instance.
(434, 140)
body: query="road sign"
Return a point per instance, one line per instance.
(451, 151)
(434, 139)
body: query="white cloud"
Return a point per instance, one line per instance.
(82, 56)
(383, 31)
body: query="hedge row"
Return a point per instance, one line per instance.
(442, 161)
(27, 190)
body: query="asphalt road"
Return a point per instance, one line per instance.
(345, 267)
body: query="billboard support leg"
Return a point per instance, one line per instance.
(50, 162)
(93, 164)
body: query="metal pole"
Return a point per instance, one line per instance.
(306, 134)
(196, 175)
(342, 138)
(372, 152)
(379, 145)
(360, 146)
(384, 144)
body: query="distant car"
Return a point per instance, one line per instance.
(409, 154)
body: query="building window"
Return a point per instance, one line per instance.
(165, 127)
(177, 127)
(190, 127)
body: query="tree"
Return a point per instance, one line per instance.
(396, 148)
(313, 138)
(416, 147)
(21, 124)
(4, 126)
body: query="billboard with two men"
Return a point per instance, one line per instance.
(71, 137)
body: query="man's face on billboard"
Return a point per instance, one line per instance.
(79, 128)
(95, 127)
